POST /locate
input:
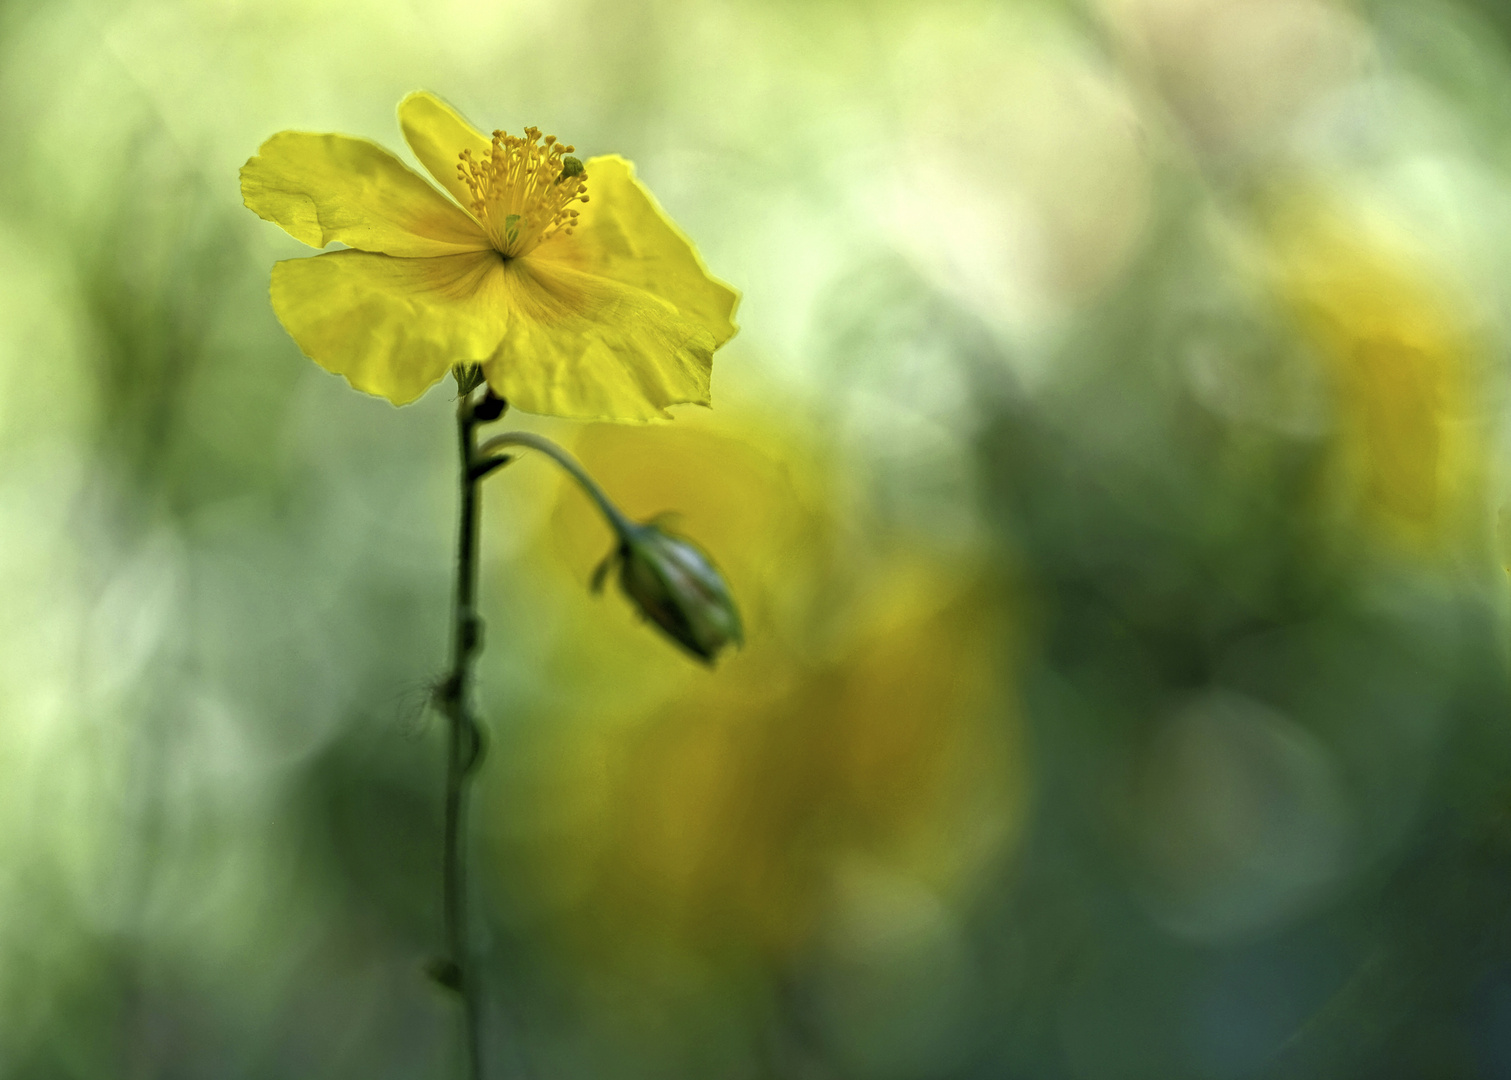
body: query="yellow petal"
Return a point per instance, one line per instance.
(625, 236)
(328, 188)
(392, 326)
(437, 134)
(589, 347)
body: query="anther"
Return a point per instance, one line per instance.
(512, 190)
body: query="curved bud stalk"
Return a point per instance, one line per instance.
(670, 580)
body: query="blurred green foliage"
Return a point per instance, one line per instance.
(1109, 470)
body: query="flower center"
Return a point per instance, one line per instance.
(523, 189)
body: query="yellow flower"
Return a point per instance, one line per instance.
(1403, 361)
(574, 304)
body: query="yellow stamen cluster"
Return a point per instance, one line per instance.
(523, 189)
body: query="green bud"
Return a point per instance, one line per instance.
(570, 166)
(675, 585)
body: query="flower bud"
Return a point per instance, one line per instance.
(676, 586)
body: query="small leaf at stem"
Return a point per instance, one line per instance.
(490, 408)
(487, 465)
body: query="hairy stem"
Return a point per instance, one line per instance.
(465, 746)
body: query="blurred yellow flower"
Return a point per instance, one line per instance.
(866, 732)
(1403, 363)
(576, 306)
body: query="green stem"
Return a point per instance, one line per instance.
(465, 746)
(455, 697)
(621, 525)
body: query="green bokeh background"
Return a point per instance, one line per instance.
(1107, 714)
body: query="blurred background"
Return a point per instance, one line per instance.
(1110, 467)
